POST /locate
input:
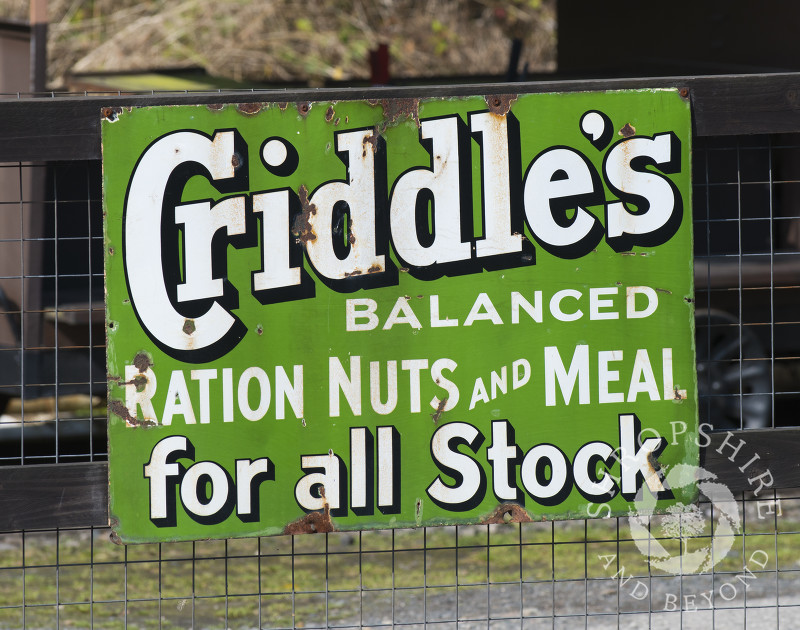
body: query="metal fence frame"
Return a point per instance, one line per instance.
(49, 501)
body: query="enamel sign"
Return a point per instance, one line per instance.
(368, 314)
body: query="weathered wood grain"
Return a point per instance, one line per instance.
(68, 127)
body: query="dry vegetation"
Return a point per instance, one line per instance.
(280, 40)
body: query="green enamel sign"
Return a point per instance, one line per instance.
(353, 315)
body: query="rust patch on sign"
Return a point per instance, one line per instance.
(302, 228)
(329, 113)
(139, 381)
(111, 113)
(118, 408)
(654, 475)
(627, 130)
(507, 513)
(500, 104)
(303, 108)
(189, 327)
(249, 109)
(653, 463)
(397, 109)
(372, 141)
(439, 409)
(113, 536)
(215, 107)
(311, 523)
(142, 361)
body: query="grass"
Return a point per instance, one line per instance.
(79, 578)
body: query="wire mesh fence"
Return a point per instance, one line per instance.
(568, 574)
(592, 573)
(52, 381)
(746, 272)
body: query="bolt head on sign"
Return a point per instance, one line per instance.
(368, 314)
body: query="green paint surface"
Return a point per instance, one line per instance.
(308, 332)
